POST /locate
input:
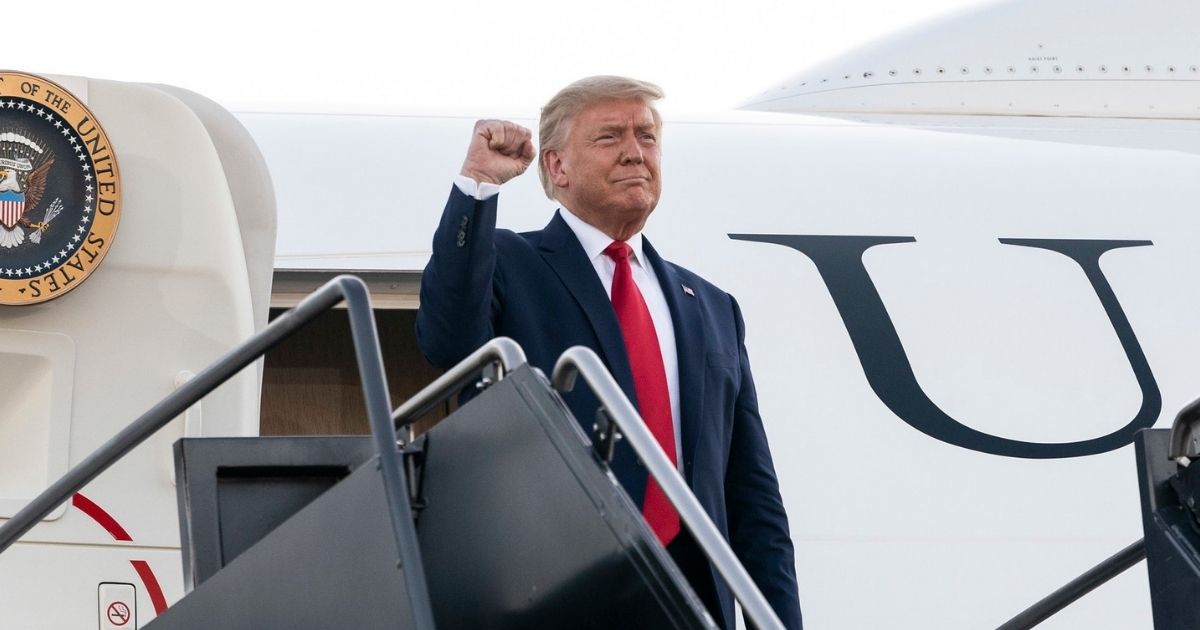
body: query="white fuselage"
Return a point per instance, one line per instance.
(1011, 341)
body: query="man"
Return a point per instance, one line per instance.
(673, 341)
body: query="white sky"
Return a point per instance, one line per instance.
(355, 55)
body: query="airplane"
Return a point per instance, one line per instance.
(962, 254)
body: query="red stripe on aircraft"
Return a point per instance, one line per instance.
(100, 516)
(110, 524)
(152, 587)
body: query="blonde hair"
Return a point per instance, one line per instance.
(557, 114)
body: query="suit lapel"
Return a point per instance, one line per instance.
(562, 251)
(689, 348)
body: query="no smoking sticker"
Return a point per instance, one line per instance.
(118, 613)
(118, 606)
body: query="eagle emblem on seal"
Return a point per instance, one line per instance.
(24, 167)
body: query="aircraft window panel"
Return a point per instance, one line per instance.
(36, 369)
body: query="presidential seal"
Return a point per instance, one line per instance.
(60, 192)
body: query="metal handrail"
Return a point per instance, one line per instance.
(1078, 587)
(378, 404)
(583, 361)
(502, 353)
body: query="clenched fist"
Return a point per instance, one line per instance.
(499, 151)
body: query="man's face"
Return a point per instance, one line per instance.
(609, 173)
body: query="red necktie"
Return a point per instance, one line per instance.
(649, 381)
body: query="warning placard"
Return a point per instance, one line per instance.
(119, 614)
(117, 606)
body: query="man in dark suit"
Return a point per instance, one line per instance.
(673, 341)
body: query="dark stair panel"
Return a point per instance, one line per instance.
(333, 564)
(1172, 533)
(525, 528)
(234, 491)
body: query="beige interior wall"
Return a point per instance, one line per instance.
(311, 384)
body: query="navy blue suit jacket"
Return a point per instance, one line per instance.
(540, 289)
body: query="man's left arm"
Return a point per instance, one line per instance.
(758, 526)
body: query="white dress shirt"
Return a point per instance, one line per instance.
(594, 243)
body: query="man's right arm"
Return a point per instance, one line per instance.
(455, 316)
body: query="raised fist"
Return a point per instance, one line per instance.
(499, 151)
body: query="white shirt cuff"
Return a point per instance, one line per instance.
(472, 188)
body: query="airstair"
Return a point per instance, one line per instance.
(502, 515)
(1169, 480)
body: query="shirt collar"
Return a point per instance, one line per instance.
(594, 241)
